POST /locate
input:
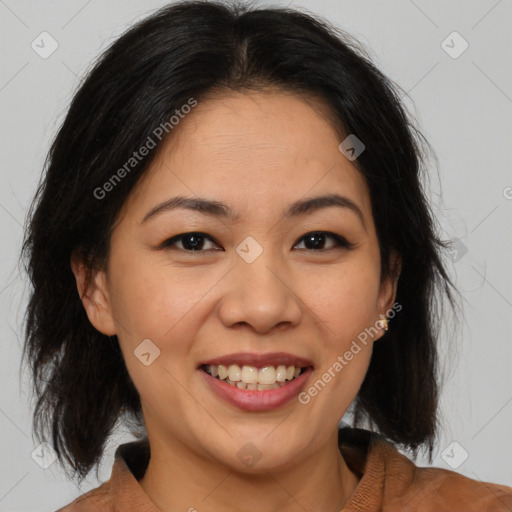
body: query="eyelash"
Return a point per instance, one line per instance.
(341, 243)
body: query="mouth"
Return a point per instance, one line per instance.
(256, 382)
(252, 378)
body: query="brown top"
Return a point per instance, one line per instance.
(389, 482)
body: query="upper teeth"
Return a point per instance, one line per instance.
(253, 375)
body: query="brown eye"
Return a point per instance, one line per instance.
(190, 242)
(195, 242)
(315, 241)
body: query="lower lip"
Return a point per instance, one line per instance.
(252, 400)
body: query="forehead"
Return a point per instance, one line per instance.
(253, 151)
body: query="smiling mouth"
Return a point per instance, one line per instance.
(252, 378)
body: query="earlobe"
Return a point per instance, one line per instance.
(94, 296)
(388, 293)
(390, 286)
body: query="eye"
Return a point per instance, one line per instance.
(317, 239)
(189, 242)
(195, 242)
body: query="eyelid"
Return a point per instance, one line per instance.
(170, 242)
(340, 241)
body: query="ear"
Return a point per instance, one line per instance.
(388, 289)
(94, 296)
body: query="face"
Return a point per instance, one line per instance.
(265, 287)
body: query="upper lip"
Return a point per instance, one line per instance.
(259, 360)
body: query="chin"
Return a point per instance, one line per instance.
(263, 453)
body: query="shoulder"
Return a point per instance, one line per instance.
(444, 490)
(122, 488)
(434, 489)
(390, 481)
(96, 499)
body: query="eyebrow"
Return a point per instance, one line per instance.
(217, 209)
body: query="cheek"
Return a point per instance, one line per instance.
(345, 298)
(168, 307)
(153, 300)
(152, 305)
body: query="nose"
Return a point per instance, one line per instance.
(260, 295)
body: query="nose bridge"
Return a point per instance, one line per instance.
(258, 267)
(258, 293)
(261, 272)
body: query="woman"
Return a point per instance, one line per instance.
(230, 217)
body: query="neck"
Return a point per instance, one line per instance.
(176, 479)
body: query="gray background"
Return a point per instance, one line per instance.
(464, 107)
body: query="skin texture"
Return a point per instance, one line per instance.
(258, 153)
